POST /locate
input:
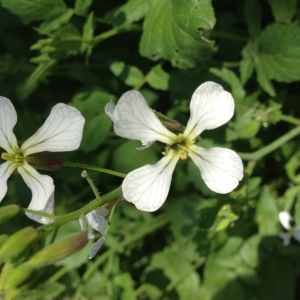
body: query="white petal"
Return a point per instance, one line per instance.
(5, 171)
(286, 239)
(296, 234)
(90, 235)
(8, 119)
(62, 131)
(133, 119)
(211, 106)
(96, 220)
(42, 189)
(96, 247)
(221, 169)
(148, 187)
(285, 219)
(109, 109)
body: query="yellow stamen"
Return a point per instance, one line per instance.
(15, 158)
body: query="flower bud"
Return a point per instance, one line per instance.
(19, 275)
(45, 161)
(8, 212)
(6, 271)
(171, 124)
(59, 250)
(16, 243)
(3, 239)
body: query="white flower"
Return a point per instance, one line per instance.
(96, 219)
(285, 220)
(220, 168)
(62, 131)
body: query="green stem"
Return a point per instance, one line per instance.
(290, 119)
(60, 220)
(271, 147)
(112, 32)
(141, 231)
(85, 175)
(94, 168)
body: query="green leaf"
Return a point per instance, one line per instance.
(178, 268)
(97, 125)
(49, 26)
(130, 75)
(247, 63)
(267, 214)
(278, 278)
(82, 6)
(292, 168)
(278, 55)
(253, 16)
(42, 291)
(158, 78)
(126, 283)
(127, 158)
(87, 35)
(175, 31)
(35, 78)
(131, 11)
(283, 11)
(230, 77)
(34, 10)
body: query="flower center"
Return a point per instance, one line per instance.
(181, 146)
(16, 158)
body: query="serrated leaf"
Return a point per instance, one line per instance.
(158, 78)
(67, 40)
(34, 10)
(131, 11)
(283, 11)
(278, 55)
(174, 31)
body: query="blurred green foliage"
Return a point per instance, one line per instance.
(199, 245)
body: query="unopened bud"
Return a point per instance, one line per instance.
(3, 239)
(171, 124)
(19, 275)
(6, 271)
(17, 243)
(59, 250)
(8, 211)
(45, 161)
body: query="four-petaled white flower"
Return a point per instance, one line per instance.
(210, 107)
(97, 220)
(62, 131)
(285, 220)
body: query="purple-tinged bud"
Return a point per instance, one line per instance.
(59, 250)
(169, 123)
(45, 161)
(17, 243)
(7, 212)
